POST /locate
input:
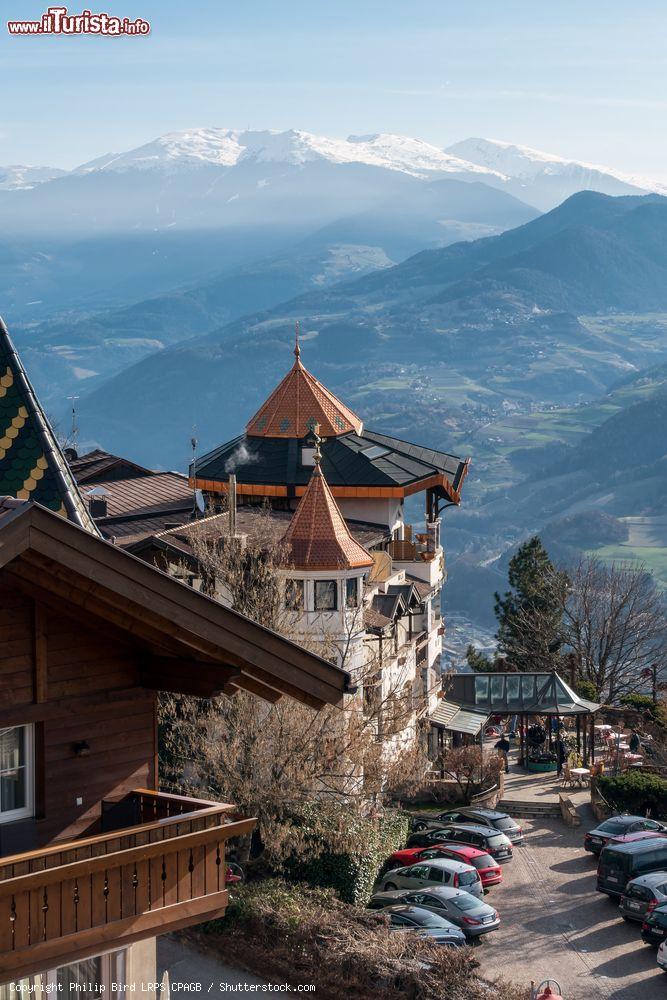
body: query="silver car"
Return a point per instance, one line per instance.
(472, 915)
(642, 894)
(436, 871)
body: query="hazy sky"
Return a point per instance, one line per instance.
(586, 80)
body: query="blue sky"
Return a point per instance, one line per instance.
(581, 80)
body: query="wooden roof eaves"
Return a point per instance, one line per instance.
(276, 661)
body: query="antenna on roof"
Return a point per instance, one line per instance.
(75, 430)
(196, 500)
(297, 349)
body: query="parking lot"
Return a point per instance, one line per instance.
(554, 923)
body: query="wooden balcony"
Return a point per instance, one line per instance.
(71, 900)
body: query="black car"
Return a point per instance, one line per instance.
(616, 827)
(654, 928)
(621, 863)
(485, 838)
(428, 924)
(469, 814)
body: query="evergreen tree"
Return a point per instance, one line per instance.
(530, 614)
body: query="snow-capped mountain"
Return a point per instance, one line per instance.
(232, 148)
(21, 177)
(544, 179)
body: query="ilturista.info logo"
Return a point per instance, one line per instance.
(58, 21)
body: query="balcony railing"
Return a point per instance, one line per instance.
(423, 546)
(71, 900)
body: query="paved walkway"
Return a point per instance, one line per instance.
(543, 789)
(554, 923)
(188, 966)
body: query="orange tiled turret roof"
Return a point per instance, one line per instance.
(297, 404)
(318, 537)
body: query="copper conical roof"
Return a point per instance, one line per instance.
(318, 537)
(297, 404)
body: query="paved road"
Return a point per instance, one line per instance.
(187, 965)
(555, 924)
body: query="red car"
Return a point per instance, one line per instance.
(489, 870)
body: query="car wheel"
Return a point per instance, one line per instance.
(627, 919)
(419, 827)
(389, 887)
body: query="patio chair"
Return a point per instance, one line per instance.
(566, 777)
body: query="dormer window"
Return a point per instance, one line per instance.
(16, 773)
(308, 456)
(325, 595)
(294, 595)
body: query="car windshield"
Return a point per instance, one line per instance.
(430, 920)
(467, 878)
(498, 840)
(466, 902)
(483, 861)
(613, 826)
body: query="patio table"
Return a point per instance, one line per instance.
(581, 775)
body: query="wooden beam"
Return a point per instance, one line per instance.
(40, 653)
(186, 676)
(66, 707)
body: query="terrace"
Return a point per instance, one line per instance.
(158, 865)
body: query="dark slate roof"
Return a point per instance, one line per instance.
(32, 465)
(259, 523)
(103, 467)
(366, 459)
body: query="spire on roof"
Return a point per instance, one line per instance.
(32, 466)
(298, 403)
(318, 537)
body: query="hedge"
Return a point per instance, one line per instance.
(635, 792)
(353, 873)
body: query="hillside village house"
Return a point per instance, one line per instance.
(358, 577)
(96, 862)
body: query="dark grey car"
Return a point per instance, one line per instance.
(642, 895)
(485, 838)
(479, 816)
(426, 923)
(472, 915)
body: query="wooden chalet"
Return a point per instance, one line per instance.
(95, 861)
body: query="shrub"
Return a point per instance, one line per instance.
(351, 872)
(643, 703)
(295, 934)
(635, 792)
(586, 689)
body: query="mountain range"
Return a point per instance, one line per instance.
(214, 177)
(474, 325)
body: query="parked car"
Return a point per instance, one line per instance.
(425, 923)
(482, 837)
(642, 895)
(654, 928)
(620, 863)
(438, 871)
(480, 817)
(662, 956)
(617, 828)
(472, 915)
(489, 870)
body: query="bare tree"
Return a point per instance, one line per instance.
(468, 767)
(271, 759)
(615, 623)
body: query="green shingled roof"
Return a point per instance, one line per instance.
(32, 466)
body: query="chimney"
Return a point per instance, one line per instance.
(231, 493)
(98, 502)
